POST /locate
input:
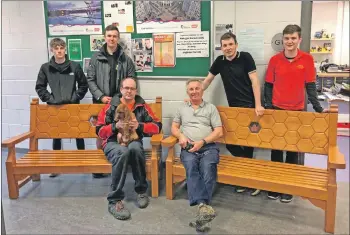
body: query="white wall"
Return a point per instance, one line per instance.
(344, 56)
(24, 50)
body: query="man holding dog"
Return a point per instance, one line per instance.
(145, 124)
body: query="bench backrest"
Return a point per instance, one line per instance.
(71, 120)
(297, 131)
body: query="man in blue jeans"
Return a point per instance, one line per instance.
(200, 126)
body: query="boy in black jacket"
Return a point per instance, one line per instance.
(62, 75)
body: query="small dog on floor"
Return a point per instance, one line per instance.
(125, 116)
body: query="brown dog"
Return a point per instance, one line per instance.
(126, 134)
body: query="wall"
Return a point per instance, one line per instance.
(25, 50)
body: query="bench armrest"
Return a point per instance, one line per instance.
(17, 139)
(169, 141)
(336, 159)
(157, 139)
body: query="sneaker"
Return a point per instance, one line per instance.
(53, 175)
(286, 198)
(119, 211)
(254, 192)
(205, 214)
(142, 200)
(99, 175)
(273, 195)
(240, 189)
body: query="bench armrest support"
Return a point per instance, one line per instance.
(169, 141)
(17, 139)
(157, 139)
(336, 159)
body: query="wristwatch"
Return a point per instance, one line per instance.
(204, 142)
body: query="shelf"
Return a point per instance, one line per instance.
(338, 75)
(321, 52)
(322, 39)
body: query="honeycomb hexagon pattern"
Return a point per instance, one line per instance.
(280, 129)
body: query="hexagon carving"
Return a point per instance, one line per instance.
(84, 115)
(63, 127)
(319, 140)
(306, 132)
(266, 135)
(320, 125)
(84, 126)
(53, 111)
(53, 121)
(54, 131)
(231, 113)
(254, 127)
(73, 121)
(293, 123)
(279, 129)
(266, 121)
(306, 118)
(42, 115)
(43, 127)
(242, 132)
(243, 119)
(305, 145)
(230, 124)
(73, 110)
(230, 137)
(279, 116)
(73, 131)
(292, 137)
(253, 139)
(278, 142)
(63, 115)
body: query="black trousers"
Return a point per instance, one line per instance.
(240, 151)
(57, 144)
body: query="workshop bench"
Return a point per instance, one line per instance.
(297, 131)
(68, 121)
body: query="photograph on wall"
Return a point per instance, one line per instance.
(120, 14)
(168, 16)
(220, 29)
(75, 50)
(74, 17)
(142, 54)
(48, 45)
(125, 42)
(96, 42)
(86, 64)
(164, 50)
(194, 44)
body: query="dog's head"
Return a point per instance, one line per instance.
(122, 113)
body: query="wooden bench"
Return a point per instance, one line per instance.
(281, 130)
(68, 121)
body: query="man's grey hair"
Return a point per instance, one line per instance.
(193, 80)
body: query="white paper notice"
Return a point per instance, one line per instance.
(252, 40)
(120, 14)
(194, 44)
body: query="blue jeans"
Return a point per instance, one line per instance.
(201, 173)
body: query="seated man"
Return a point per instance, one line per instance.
(200, 126)
(145, 124)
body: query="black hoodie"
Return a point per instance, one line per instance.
(62, 79)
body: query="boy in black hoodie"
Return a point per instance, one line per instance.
(62, 75)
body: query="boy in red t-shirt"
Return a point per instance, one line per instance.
(288, 73)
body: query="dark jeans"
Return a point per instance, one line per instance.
(201, 173)
(121, 157)
(57, 144)
(240, 151)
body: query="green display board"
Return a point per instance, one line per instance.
(183, 67)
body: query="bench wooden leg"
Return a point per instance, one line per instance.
(330, 209)
(11, 182)
(169, 180)
(36, 177)
(154, 177)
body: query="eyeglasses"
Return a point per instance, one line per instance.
(129, 88)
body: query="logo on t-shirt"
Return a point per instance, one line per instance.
(300, 66)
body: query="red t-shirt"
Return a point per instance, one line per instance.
(289, 78)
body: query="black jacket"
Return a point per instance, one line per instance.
(62, 79)
(149, 124)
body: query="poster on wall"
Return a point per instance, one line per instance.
(86, 64)
(142, 54)
(252, 40)
(75, 50)
(194, 44)
(48, 45)
(96, 42)
(221, 29)
(120, 14)
(164, 50)
(74, 17)
(125, 42)
(168, 16)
